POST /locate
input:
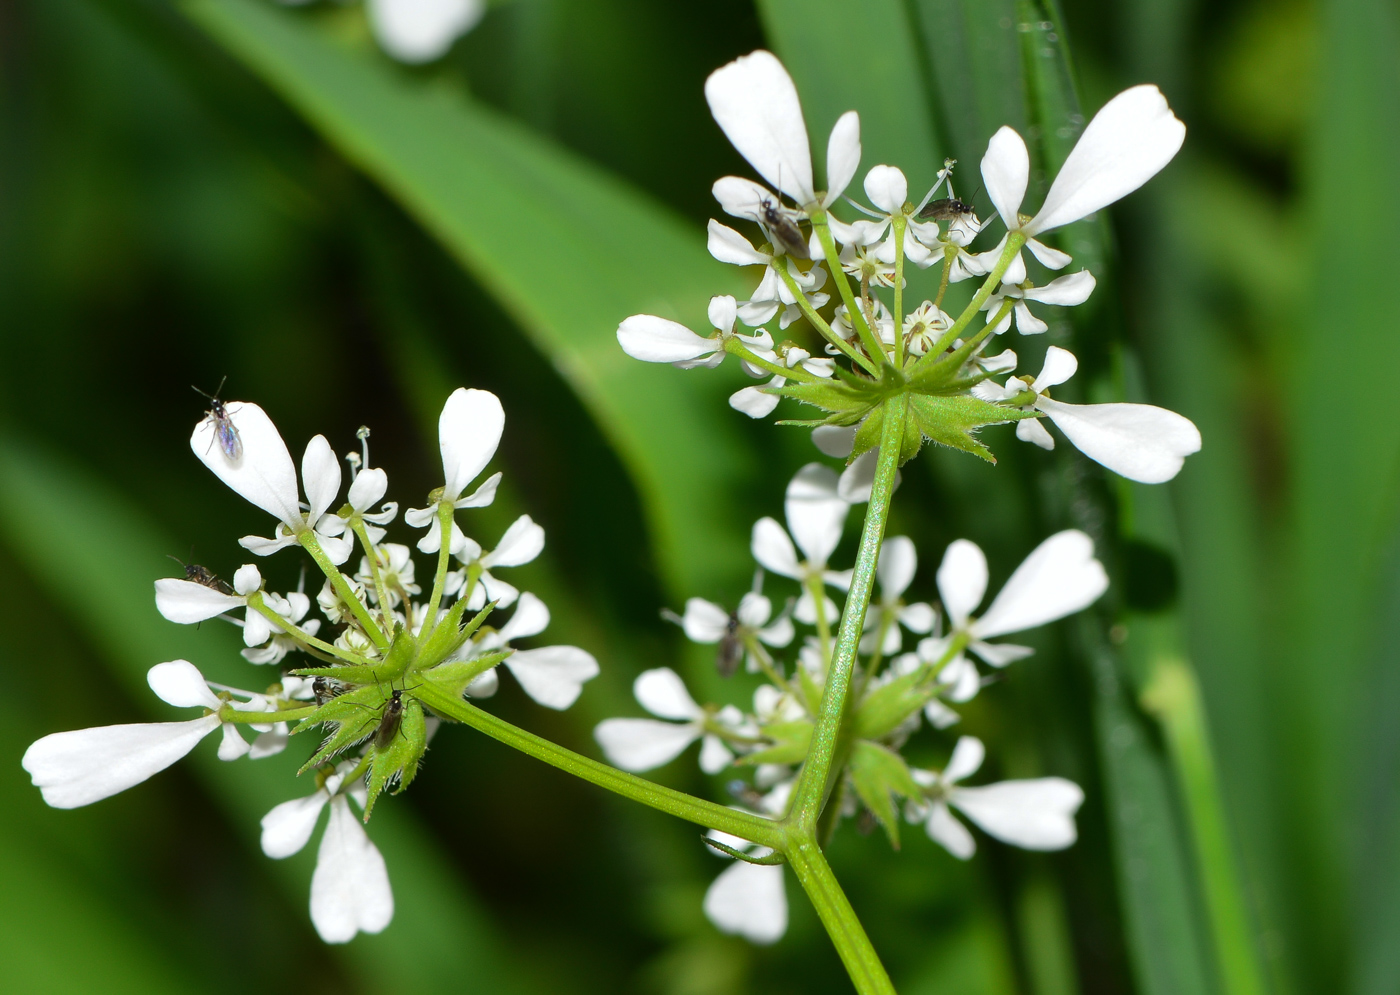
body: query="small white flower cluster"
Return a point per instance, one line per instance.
(354, 682)
(755, 103)
(895, 691)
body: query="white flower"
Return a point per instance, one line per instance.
(1139, 441)
(350, 890)
(923, 327)
(1036, 814)
(83, 766)
(293, 608)
(522, 542)
(553, 675)
(858, 479)
(1059, 578)
(263, 475)
(417, 31)
(896, 567)
(366, 490)
(469, 430)
(706, 622)
(755, 103)
(642, 744)
(396, 570)
(816, 514)
(772, 293)
(1129, 141)
(661, 340)
(748, 900)
(756, 402)
(1065, 291)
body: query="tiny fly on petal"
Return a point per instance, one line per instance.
(224, 430)
(783, 229)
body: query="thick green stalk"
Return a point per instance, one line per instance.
(705, 813)
(899, 224)
(1174, 697)
(811, 782)
(446, 510)
(834, 909)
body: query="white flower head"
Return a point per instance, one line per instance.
(895, 570)
(521, 543)
(1035, 814)
(1139, 441)
(748, 900)
(644, 744)
(469, 431)
(416, 31)
(707, 623)
(661, 340)
(552, 675)
(816, 516)
(1128, 142)
(1064, 291)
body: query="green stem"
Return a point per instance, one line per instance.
(819, 323)
(230, 714)
(1014, 241)
(948, 255)
(1174, 697)
(342, 587)
(381, 592)
(836, 914)
(817, 769)
(446, 509)
(753, 828)
(872, 342)
(899, 224)
(255, 601)
(816, 590)
(736, 348)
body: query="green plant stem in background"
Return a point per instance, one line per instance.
(834, 909)
(816, 770)
(1174, 697)
(754, 828)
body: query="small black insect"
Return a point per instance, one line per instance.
(783, 229)
(224, 429)
(197, 574)
(947, 209)
(390, 722)
(731, 647)
(326, 688)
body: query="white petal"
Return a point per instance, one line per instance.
(86, 765)
(842, 155)
(834, 440)
(270, 743)
(1036, 814)
(967, 757)
(754, 610)
(962, 580)
(553, 675)
(780, 633)
(263, 474)
(940, 716)
(721, 311)
(754, 402)
(898, 561)
(918, 617)
(1060, 365)
(944, 828)
(416, 31)
(755, 103)
(815, 512)
(704, 621)
(1127, 143)
(728, 246)
(180, 683)
(484, 686)
(1048, 257)
(320, 476)
(1026, 322)
(858, 479)
(247, 579)
(469, 430)
(350, 890)
(288, 827)
(714, 755)
(662, 693)
(256, 629)
(962, 679)
(741, 197)
(481, 497)
(530, 619)
(523, 541)
(772, 548)
(186, 602)
(642, 744)
(1139, 441)
(1006, 169)
(233, 745)
(887, 188)
(660, 340)
(493, 589)
(1000, 654)
(1030, 430)
(368, 488)
(749, 900)
(1060, 577)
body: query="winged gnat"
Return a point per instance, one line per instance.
(196, 574)
(783, 230)
(946, 209)
(326, 688)
(390, 722)
(225, 432)
(731, 647)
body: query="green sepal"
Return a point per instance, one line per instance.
(830, 397)
(394, 665)
(950, 421)
(869, 433)
(878, 775)
(454, 677)
(450, 634)
(396, 762)
(356, 715)
(886, 708)
(348, 674)
(792, 740)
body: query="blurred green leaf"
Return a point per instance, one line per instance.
(567, 249)
(99, 558)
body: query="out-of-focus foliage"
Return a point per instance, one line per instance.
(176, 208)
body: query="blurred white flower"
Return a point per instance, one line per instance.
(417, 31)
(895, 570)
(748, 900)
(816, 514)
(642, 744)
(469, 430)
(520, 544)
(1064, 291)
